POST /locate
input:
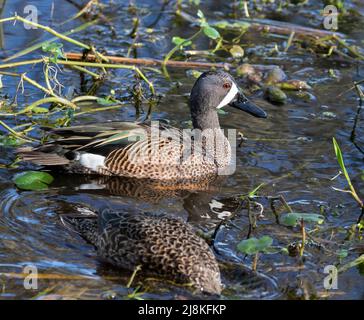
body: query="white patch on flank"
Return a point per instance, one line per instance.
(91, 186)
(218, 205)
(229, 97)
(215, 204)
(92, 161)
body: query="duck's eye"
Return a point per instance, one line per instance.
(227, 85)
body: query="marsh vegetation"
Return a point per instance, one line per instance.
(295, 202)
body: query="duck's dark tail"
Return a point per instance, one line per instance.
(42, 156)
(70, 142)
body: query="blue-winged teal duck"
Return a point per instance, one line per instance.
(160, 244)
(140, 150)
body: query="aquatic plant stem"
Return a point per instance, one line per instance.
(264, 25)
(82, 11)
(16, 134)
(357, 116)
(84, 70)
(84, 64)
(108, 65)
(40, 44)
(136, 270)
(176, 48)
(20, 63)
(346, 46)
(46, 78)
(255, 262)
(361, 215)
(340, 160)
(154, 62)
(24, 77)
(47, 29)
(98, 110)
(303, 234)
(84, 98)
(58, 100)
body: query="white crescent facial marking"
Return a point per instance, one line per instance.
(92, 161)
(229, 97)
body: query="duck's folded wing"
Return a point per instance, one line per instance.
(97, 140)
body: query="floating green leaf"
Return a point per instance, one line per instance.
(237, 52)
(178, 41)
(33, 180)
(254, 245)
(9, 141)
(240, 25)
(194, 73)
(106, 101)
(292, 219)
(39, 110)
(275, 94)
(342, 253)
(55, 49)
(211, 32)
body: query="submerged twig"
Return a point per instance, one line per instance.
(357, 116)
(149, 61)
(303, 234)
(155, 62)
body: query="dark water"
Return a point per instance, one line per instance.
(291, 151)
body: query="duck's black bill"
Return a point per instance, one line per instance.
(242, 103)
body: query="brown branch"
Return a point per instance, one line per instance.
(279, 27)
(156, 62)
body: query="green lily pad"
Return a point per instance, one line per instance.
(33, 180)
(239, 25)
(294, 218)
(237, 52)
(342, 253)
(211, 32)
(194, 73)
(254, 245)
(178, 41)
(39, 110)
(9, 141)
(275, 94)
(55, 49)
(106, 101)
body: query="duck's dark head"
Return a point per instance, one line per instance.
(214, 90)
